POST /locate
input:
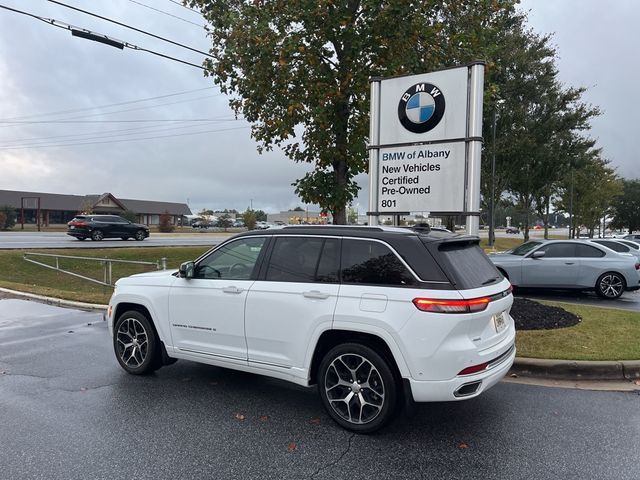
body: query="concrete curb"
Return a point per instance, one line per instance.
(522, 367)
(575, 369)
(55, 301)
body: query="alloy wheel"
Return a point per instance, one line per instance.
(354, 388)
(611, 285)
(132, 342)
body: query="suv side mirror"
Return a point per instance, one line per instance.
(538, 254)
(187, 270)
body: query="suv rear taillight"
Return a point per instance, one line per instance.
(451, 306)
(637, 266)
(77, 224)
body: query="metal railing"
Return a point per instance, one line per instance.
(106, 264)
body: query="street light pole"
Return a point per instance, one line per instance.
(492, 233)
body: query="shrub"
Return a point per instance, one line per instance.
(9, 214)
(165, 225)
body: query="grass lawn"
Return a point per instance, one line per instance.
(603, 334)
(17, 274)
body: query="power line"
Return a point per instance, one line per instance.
(126, 140)
(166, 13)
(110, 121)
(98, 37)
(108, 133)
(129, 102)
(184, 6)
(142, 108)
(130, 27)
(100, 135)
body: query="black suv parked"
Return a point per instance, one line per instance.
(97, 227)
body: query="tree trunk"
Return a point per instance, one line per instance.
(546, 218)
(339, 216)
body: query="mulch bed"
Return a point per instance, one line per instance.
(530, 315)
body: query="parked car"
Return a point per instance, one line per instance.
(633, 236)
(97, 227)
(617, 246)
(369, 314)
(514, 230)
(570, 264)
(202, 224)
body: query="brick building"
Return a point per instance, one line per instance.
(56, 208)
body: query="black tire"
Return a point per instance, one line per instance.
(610, 285)
(81, 238)
(136, 343)
(140, 235)
(374, 384)
(97, 235)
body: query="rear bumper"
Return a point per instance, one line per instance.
(462, 387)
(79, 234)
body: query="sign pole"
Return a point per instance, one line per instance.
(474, 133)
(374, 151)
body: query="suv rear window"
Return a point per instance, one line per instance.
(469, 265)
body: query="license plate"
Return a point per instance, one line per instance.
(71, 227)
(499, 322)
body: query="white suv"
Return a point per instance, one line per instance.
(373, 316)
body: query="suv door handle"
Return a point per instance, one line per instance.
(232, 289)
(569, 263)
(316, 294)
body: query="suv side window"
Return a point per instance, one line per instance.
(234, 261)
(304, 259)
(372, 263)
(559, 250)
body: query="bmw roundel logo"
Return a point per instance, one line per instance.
(421, 107)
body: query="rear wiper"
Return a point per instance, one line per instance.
(493, 279)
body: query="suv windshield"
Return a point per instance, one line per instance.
(524, 248)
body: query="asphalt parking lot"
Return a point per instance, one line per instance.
(628, 300)
(69, 411)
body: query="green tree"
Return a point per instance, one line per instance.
(8, 214)
(261, 216)
(224, 221)
(249, 217)
(626, 209)
(304, 66)
(165, 224)
(130, 215)
(595, 189)
(352, 216)
(541, 124)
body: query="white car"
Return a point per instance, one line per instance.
(369, 314)
(570, 264)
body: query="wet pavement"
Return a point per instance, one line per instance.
(628, 300)
(69, 412)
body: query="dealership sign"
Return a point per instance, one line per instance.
(425, 143)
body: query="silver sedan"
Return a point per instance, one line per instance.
(569, 264)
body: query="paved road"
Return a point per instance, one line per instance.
(69, 412)
(15, 240)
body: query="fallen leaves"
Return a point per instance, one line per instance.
(264, 418)
(314, 421)
(292, 446)
(463, 445)
(241, 417)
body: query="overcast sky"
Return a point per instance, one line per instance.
(44, 71)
